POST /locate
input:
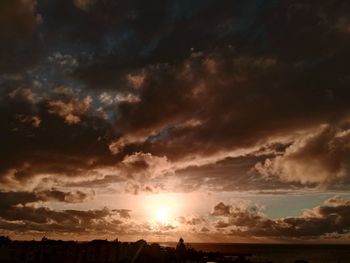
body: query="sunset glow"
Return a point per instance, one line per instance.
(162, 215)
(218, 121)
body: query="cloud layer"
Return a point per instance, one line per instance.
(329, 219)
(135, 97)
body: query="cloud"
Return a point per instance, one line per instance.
(43, 220)
(237, 88)
(240, 125)
(136, 80)
(242, 220)
(25, 94)
(191, 221)
(70, 111)
(230, 174)
(123, 213)
(67, 197)
(239, 215)
(84, 4)
(221, 210)
(10, 199)
(319, 157)
(18, 23)
(95, 94)
(20, 213)
(145, 163)
(80, 224)
(11, 11)
(332, 217)
(32, 120)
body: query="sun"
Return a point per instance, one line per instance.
(162, 215)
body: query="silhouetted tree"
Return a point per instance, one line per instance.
(181, 250)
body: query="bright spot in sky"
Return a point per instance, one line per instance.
(162, 215)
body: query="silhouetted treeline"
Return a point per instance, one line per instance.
(103, 251)
(100, 251)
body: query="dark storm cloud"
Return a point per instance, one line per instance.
(127, 35)
(258, 99)
(245, 100)
(238, 98)
(151, 89)
(332, 217)
(39, 136)
(19, 43)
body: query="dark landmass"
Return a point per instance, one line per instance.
(103, 251)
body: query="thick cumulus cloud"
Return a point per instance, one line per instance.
(329, 219)
(322, 156)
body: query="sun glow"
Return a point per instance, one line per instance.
(162, 215)
(162, 210)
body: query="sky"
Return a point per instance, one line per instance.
(217, 121)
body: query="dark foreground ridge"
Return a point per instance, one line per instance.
(103, 251)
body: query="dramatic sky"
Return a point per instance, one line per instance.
(215, 120)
